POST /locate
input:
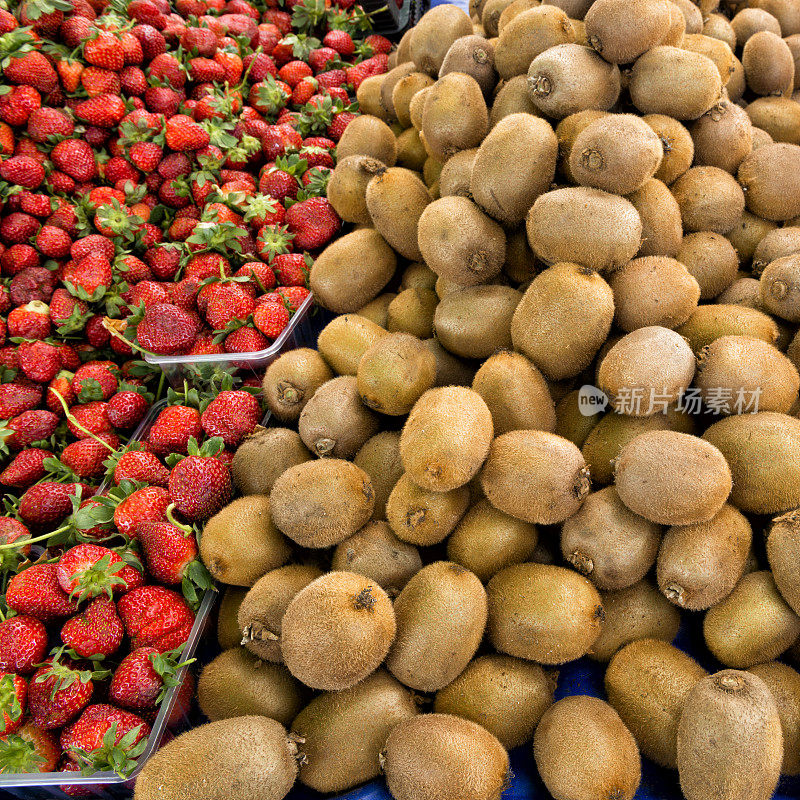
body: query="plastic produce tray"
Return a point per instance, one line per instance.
(393, 16)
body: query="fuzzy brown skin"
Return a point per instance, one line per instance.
(439, 757)
(753, 624)
(411, 152)
(240, 543)
(228, 632)
(368, 95)
(571, 422)
(710, 199)
(677, 144)
(747, 235)
(749, 21)
(723, 137)
(441, 612)
(698, 565)
(647, 683)
(714, 49)
(380, 458)
(403, 90)
(348, 186)
(621, 30)
(412, 311)
(512, 98)
(783, 552)
(768, 64)
(377, 310)
(662, 227)
(692, 15)
(233, 759)
(264, 456)
(434, 35)
(505, 695)
(638, 612)
(710, 322)
(584, 751)
(390, 80)
(456, 174)
(780, 291)
(777, 116)
(450, 370)
(455, 116)
(719, 27)
(345, 339)
(777, 243)
(370, 137)
(474, 56)
(730, 743)
(262, 609)
(291, 380)
(567, 131)
(771, 178)
(712, 260)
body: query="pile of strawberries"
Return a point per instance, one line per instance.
(163, 172)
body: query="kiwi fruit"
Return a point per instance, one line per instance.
(621, 30)
(411, 152)
(718, 26)
(677, 144)
(370, 136)
(780, 288)
(415, 108)
(390, 81)
(653, 291)
(735, 88)
(450, 370)
(567, 131)
(712, 48)
(768, 64)
(474, 56)
(776, 243)
(433, 36)
(730, 742)
(454, 116)
(584, 751)
(573, 420)
(662, 227)
(487, 540)
(787, 14)
(636, 612)
(722, 137)
(749, 21)
(337, 631)
(584, 225)
(457, 173)
(763, 451)
(345, 339)
(440, 756)
(647, 683)
(784, 685)
(347, 187)
(236, 683)
(379, 457)
(229, 634)
(321, 503)
(512, 97)
(237, 758)
(442, 613)
(424, 517)
(514, 165)
(742, 292)
(752, 624)
(352, 270)
(263, 456)
(613, 547)
(748, 234)
(569, 78)
(368, 95)
(411, 311)
(692, 15)
(490, 17)
(291, 380)
(377, 310)
(403, 50)
(506, 696)
(777, 116)
(698, 565)
(543, 613)
(240, 542)
(783, 552)
(446, 438)
(514, 9)
(770, 177)
(417, 276)
(261, 611)
(710, 322)
(712, 261)
(673, 82)
(575, 9)
(734, 369)
(710, 199)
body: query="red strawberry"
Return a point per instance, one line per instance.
(92, 419)
(313, 222)
(23, 171)
(37, 205)
(48, 502)
(278, 183)
(260, 274)
(91, 244)
(292, 296)
(26, 468)
(339, 123)
(156, 617)
(378, 43)
(169, 550)
(29, 749)
(322, 58)
(86, 457)
(88, 275)
(95, 381)
(58, 693)
(23, 643)
(67, 311)
(166, 329)
(18, 397)
(33, 283)
(183, 133)
(143, 678)
(229, 303)
(291, 269)
(271, 319)
(39, 361)
(95, 632)
(19, 257)
(30, 427)
(13, 702)
(89, 570)
(145, 155)
(12, 530)
(104, 50)
(139, 465)
(147, 504)
(340, 41)
(231, 415)
(32, 69)
(201, 39)
(37, 592)
(173, 428)
(102, 111)
(199, 486)
(245, 340)
(127, 409)
(60, 388)
(75, 158)
(31, 321)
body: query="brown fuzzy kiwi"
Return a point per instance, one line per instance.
(785, 11)
(505, 695)
(241, 542)
(403, 47)
(238, 758)
(710, 322)
(528, 35)
(710, 199)
(520, 266)
(379, 457)
(418, 276)
(516, 393)
(456, 173)
(412, 312)
(487, 540)
(291, 380)
(535, 476)
(677, 26)
(718, 26)
(321, 503)
(723, 137)
(512, 97)
(573, 421)
(390, 80)
(654, 290)
(649, 364)
(771, 179)
(716, 50)
(416, 107)
(567, 131)
(621, 30)
(742, 292)
(377, 310)
(586, 226)
(370, 136)
(450, 370)
(777, 243)
(783, 552)
(768, 64)
(677, 144)
(572, 300)
(335, 422)
(264, 456)
(490, 16)
(692, 15)
(742, 368)
(647, 683)
(368, 95)
(514, 9)
(637, 612)
(455, 116)
(761, 138)
(345, 339)
(711, 259)
(342, 733)
(793, 351)
(411, 153)
(402, 92)
(262, 609)
(458, 241)
(736, 87)
(474, 56)
(674, 82)
(780, 288)
(433, 36)
(366, 260)
(747, 236)
(575, 9)
(662, 227)
(583, 751)
(729, 738)
(440, 756)
(749, 21)
(229, 634)
(569, 78)
(441, 612)
(337, 631)
(476, 321)
(431, 171)
(613, 547)
(236, 683)
(514, 165)
(348, 186)
(794, 45)
(672, 478)
(698, 565)
(422, 517)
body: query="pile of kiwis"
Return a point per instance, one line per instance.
(553, 415)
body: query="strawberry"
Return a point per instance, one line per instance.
(12, 530)
(18, 257)
(93, 243)
(378, 43)
(183, 133)
(13, 702)
(30, 427)
(245, 340)
(203, 40)
(173, 428)
(31, 69)
(33, 283)
(67, 313)
(207, 265)
(17, 228)
(90, 419)
(166, 329)
(23, 171)
(86, 457)
(155, 617)
(29, 749)
(293, 72)
(271, 319)
(145, 155)
(18, 397)
(143, 678)
(37, 205)
(102, 111)
(199, 486)
(169, 550)
(313, 222)
(104, 50)
(75, 158)
(48, 502)
(291, 269)
(31, 321)
(292, 296)
(127, 409)
(39, 361)
(147, 504)
(58, 693)
(231, 415)
(340, 41)
(99, 81)
(133, 81)
(89, 570)
(37, 592)
(26, 469)
(23, 643)
(260, 274)
(141, 466)
(95, 381)
(229, 304)
(60, 388)
(322, 58)
(69, 71)
(278, 183)
(339, 123)
(89, 276)
(95, 632)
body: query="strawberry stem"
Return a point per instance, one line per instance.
(187, 529)
(25, 542)
(77, 424)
